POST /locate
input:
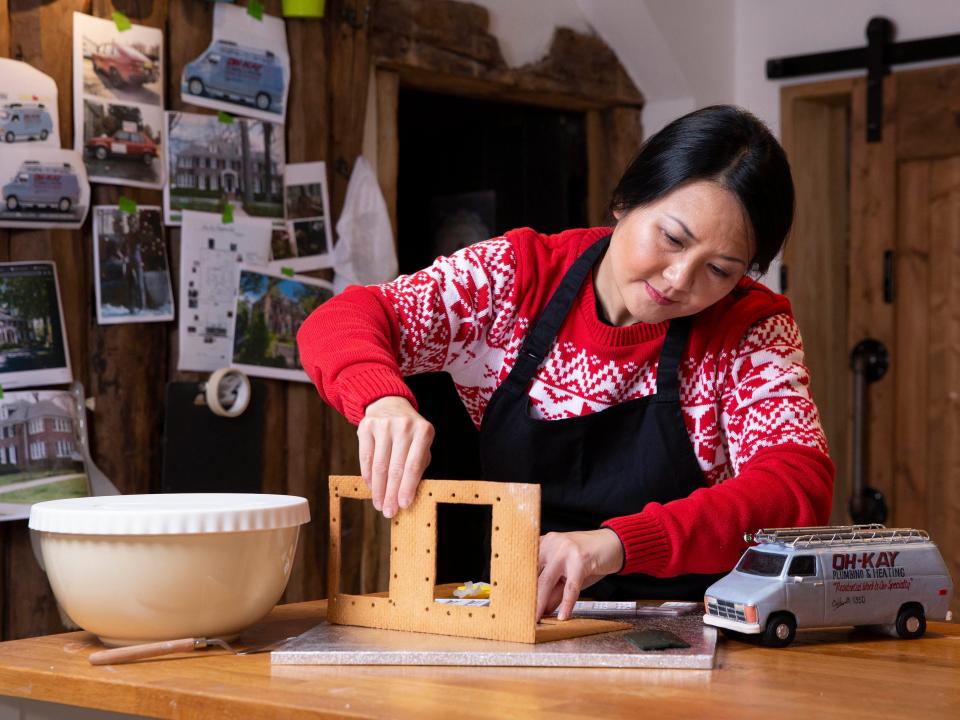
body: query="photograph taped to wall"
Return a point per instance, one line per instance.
(130, 256)
(211, 162)
(42, 187)
(40, 451)
(210, 257)
(270, 309)
(123, 144)
(245, 69)
(28, 105)
(33, 341)
(114, 64)
(307, 211)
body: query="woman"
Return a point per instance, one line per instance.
(654, 390)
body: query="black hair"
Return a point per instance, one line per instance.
(723, 144)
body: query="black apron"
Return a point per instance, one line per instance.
(602, 465)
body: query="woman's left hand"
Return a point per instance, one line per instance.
(572, 561)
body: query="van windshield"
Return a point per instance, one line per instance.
(761, 563)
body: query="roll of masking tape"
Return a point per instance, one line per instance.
(227, 392)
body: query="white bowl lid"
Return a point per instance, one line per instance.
(169, 514)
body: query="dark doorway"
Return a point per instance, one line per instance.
(470, 170)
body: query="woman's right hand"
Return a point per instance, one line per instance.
(394, 451)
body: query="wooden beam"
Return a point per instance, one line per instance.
(445, 46)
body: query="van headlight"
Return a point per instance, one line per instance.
(750, 614)
(707, 602)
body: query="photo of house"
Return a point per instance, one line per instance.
(211, 162)
(33, 348)
(270, 309)
(40, 458)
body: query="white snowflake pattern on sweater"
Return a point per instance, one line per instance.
(461, 315)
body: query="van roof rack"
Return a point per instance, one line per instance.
(873, 533)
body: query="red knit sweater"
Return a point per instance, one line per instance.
(743, 385)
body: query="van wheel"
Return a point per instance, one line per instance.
(195, 86)
(63, 205)
(148, 159)
(10, 137)
(263, 101)
(44, 134)
(101, 153)
(911, 622)
(12, 202)
(781, 629)
(115, 78)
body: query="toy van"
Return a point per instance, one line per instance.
(38, 185)
(24, 122)
(123, 65)
(237, 74)
(890, 579)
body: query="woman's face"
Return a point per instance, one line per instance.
(674, 257)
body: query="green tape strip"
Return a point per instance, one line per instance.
(1, 392)
(287, 271)
(224, 117)
(227, 213)
(122, 21)
(255, 9)
(127, 205)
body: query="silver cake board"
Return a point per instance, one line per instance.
(328, 644)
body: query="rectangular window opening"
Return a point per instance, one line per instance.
(363, 568)
(463, 549)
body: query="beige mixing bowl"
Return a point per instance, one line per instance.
(145, 568)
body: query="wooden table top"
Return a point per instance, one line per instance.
(838, 673)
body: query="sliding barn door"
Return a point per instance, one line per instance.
(876, 256)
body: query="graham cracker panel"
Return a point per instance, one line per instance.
(515, 534)
(409, 604)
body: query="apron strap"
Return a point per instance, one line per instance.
(668, 366)
(537, 343)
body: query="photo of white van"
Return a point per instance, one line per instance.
(234, 73)
(38, 186)
(20, 121)
(889, 579)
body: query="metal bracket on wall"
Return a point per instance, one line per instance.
(877, 58)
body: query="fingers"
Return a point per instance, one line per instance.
(394, 448)
(563, 572)
(418, 457)
(571, 591)
(380, 465)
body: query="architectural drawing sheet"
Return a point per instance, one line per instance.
(211, 253)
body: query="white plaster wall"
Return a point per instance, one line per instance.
(774, 28)
(525, 27)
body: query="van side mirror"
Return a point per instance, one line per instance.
(798, 578)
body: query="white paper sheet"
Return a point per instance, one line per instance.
(28, 105)
(132, 277)
(246, 68)
(42, 187)
(210, 257)
(307, 206)
(118, 101)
